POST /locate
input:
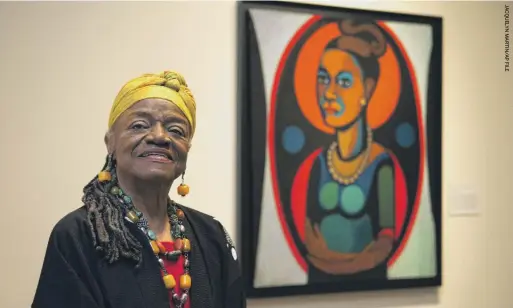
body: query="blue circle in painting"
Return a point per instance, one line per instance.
(405, 135)
(293, 139)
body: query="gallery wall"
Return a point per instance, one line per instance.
(61, 64)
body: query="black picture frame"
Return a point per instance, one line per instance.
(251, 140)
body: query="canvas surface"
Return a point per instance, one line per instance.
(311, 104)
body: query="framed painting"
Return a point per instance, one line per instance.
(339, 148)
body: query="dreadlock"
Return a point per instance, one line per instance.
(106, 221)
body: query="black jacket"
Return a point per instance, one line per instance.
(75, 276)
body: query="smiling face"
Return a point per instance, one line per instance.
(340, 88)
(150, 141)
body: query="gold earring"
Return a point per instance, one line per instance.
(183, 189)
(363, 102)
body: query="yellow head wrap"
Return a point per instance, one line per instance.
(167, 85)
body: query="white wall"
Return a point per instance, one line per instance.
(61, 65)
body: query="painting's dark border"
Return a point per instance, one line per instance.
(247, 219)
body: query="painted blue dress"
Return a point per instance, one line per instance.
(348, 216)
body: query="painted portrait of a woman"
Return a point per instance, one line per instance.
(350, 221)
(339, 167)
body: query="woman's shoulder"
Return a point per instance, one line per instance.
(73, 227)
(201, 219)
(71, 221)
(208, 225)
(71, 237)
(379, 153)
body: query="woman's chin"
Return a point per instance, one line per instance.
(335, 122)
(156, 175)
(340, 122)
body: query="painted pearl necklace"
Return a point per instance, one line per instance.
(331, 156)
(182, 244)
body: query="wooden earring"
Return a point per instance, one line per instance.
(105, 175)
(183, 189)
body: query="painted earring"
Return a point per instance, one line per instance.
(363, 102)
(105, 175)
(183, 189)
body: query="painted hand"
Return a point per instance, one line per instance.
(317, 247)
(326, 260)
(339, 267)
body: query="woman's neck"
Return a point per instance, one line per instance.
(352, 141)
(149, 198)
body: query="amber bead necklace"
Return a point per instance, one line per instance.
(182, 244)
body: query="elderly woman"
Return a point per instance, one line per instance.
(129, 245)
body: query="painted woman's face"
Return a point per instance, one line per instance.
(340, 88)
